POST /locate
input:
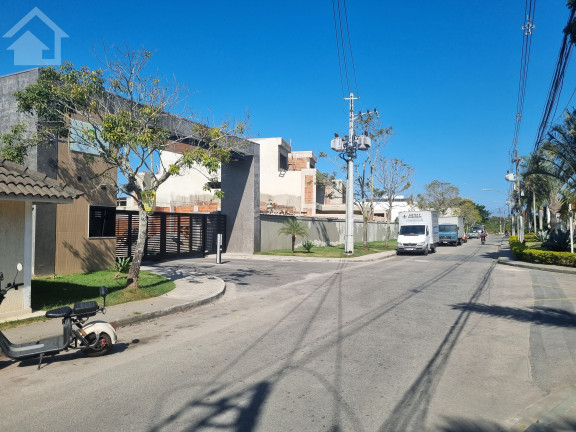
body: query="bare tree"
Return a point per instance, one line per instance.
(394, 176)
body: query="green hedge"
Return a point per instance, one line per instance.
(523, 253)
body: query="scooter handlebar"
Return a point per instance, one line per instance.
(12, 286)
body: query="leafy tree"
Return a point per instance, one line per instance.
(483, 212)
(439, 196)
(468, 209)
(294, 228)
(14, 145)
(394, 176)
(126, 120)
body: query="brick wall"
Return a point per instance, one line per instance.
(298, 164)
(309, 189)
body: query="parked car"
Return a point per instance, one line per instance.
(473, 234)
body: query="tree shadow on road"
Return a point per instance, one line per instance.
(536, 315)
(179, 270)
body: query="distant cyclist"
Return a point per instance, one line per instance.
(483, 236)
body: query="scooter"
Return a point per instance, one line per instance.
(94, 339)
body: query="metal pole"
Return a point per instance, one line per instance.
(349, 249)
(534, 209)
(571, 230)
(218, 248)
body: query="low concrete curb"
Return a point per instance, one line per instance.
(145, 316)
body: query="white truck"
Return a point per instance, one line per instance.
(418, 232)
(452, 230)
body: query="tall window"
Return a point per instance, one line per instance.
(102, 221)
(282, 162)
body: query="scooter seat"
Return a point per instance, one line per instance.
(86, 309)
(61, 312)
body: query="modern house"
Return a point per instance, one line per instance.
(70, 238)
(287, 180)
(23, 193)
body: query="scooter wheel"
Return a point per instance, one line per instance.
(103, 346)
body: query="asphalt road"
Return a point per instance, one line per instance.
(447, 342)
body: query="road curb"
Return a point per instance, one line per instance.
(550, 413)
(543, 267)
(145, 316)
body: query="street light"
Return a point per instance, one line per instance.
(508, 203)
(347, 148)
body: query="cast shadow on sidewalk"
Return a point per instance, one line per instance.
(536, 314)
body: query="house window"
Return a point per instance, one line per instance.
(102, 221)
(282, 162)
(79, 138)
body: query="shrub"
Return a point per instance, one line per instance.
(122, 265)
(558, 241)
(308, 245)
(541, 236)
(522, 253)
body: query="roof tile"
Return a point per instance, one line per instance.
(19, 181)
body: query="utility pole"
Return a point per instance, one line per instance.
(349, 240)
(347, 148)
(520, 217)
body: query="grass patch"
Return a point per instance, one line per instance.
(335, 251)
(52, 292)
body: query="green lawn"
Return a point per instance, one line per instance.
(335, 251)
(51, 292)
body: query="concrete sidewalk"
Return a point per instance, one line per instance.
(191, 291)
(557, 411)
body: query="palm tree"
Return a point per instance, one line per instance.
(294, 228)
(560, 150)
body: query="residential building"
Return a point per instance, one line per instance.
(23, 193)
(70, 238)
(287, 179)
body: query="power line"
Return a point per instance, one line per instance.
(344, 46)
(336, 33)
(350, 48)
(558, 78)
(529, 9)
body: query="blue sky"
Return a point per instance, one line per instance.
(443, 74)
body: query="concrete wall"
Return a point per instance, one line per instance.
(183, 189)
(323, 232)
(12, 238)
(295, 187)
(241, 205)
(283, 187)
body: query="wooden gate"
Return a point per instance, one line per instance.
(170, 234)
